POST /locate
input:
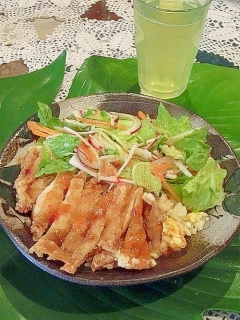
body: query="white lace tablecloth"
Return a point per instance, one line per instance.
(36, 32)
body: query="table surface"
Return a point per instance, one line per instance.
(34, 33)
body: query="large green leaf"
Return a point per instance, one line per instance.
(213, 91)
(19, 95)
(35, 295)
(102, 74)
(7, 309)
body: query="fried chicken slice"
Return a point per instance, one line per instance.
(154, 218)
(27, 185)
(135, 253)
(127, 212)
(106, 168)
(48, 202)
(80, 221)
(61, 224)
(109, 241)
(92, 235)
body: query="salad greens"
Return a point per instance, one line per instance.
(169, 125)
(57, 152)
(165, 154)
(206, 187)
(46, 117)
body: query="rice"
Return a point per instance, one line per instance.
(179, 223)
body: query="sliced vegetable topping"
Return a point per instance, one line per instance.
(161, 155)
(40, 130)
(99, 123)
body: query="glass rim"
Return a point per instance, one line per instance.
(208, 2)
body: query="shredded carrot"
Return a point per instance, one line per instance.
(142, 115)
(40, 130)
(159, 174)
(101, 123)
(160, 166)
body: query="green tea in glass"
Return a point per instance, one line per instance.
(167, 37)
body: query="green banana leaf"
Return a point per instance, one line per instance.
(19, 95)
(103, 74)
(213, 91)
(27, 292)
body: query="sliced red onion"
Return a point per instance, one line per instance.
(75, 161)
(128, 158)
(150, 143)
(77, 133)
(84, 159)
(148, 197)
(170, 176)
(94, 142)
(114, 119)
(52, 136)
(96, 163)
(183, 168)
(75, 122)
(143, 153)
(137, 122)
(78, 113)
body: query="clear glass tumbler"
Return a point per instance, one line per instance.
(167, 37)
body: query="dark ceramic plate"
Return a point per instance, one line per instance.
(224, 220)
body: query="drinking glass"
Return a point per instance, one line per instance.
(167, 37)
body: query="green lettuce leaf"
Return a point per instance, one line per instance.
(195, 133)
(143, 177)
(46, 117)
(63, 144)
(205, 189)
(54, 166)
(169, 125)
(57, 152)
(197, 152)
(147, 130)
(195, 148)
(102, 115)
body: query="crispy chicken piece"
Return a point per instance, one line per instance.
(154, 218)
(135, 253)
(92, 235)
(103, 259)
(80, 221)
(61, 224)
(127, 212)
(27, 185)
(107, 169)
(109, 242)
(48, 202)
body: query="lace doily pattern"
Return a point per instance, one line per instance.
(37, 31)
